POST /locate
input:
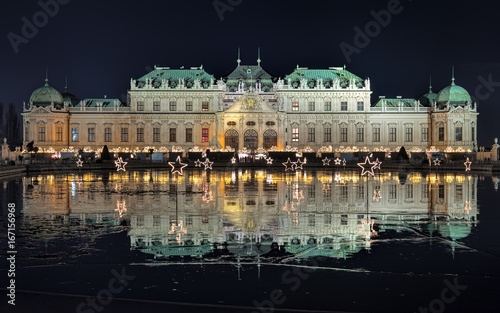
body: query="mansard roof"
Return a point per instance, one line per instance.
(175, 75)
(242, 72)
(394, 103)
(330, 74)
(103, 102)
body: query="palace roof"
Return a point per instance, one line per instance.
(173, 76)
(327, 75)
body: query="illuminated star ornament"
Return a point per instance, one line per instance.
(344, 162)
(437, 162)
(377, 164)
(198, 163)
(289, 165)
(467, 165)
(269, 161)
(376, 195)
(367, 167)
(337, 161)
(79, 163)
(233, 160)
(120, 164)
(208, 164)
(177, 166)
(299, 164)
(326, 161)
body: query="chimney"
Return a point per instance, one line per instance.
(105, 97)
(398, 97)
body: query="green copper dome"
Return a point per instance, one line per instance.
(46, 95)
(455, 95)
(455, 230)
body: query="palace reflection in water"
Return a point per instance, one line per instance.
(257, 213)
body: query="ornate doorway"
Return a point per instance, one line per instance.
(231, 139)
(251, 139)
(270, 138)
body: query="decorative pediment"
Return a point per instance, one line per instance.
(156, 123)
(41, 110)
(458, 110)
(251, 103)
(140, 123)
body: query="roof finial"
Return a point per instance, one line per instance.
(344, 67)
(430, 84)
(66, 86)
(453, 75)
(258, 56)
(46, 76)
(239, 61)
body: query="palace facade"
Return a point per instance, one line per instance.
(315, 109)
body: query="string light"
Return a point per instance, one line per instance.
(299, 164)
(337, 161)
(367, 164)
(177, 166)
(377, 164)
(437, 162)
(198, 163)
(376, 195)
(269, 161)
(120, 164)
(344, 162)
(208, 164)
(289, 165)
(79, 163)
(233, 160)
(326, 161)
(467, 165)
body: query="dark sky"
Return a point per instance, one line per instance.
(100, 45)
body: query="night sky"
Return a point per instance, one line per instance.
(100, 45)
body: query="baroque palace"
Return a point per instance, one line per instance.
(189, 109)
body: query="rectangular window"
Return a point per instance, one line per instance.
(343, 106)
(26, 133)
(74, 134)
(91, 134)
(125, 134)
(156, 105)
(328, 135)
(393, 192)
(425, 191)
(140, 105)
(473, 134)
(189, 105)
(360, 134)
(343, 134)
(140, 134)
(189, 135)
(392, 134)
(409, 134)
(295, 106)
(173, 106)
(459, 193)
(311, 106)
(107, 134)
(361, 106)
(204, 106)
(311, 134)
(204, 134)
(441, 134)
(41, 133)
(156, 134)
(59, 134)
(328, 106)
(441, 191)
(376, 134)
(360, 194)
(425, 134)
(295, 134)
(173, 134)
(458, 133)
(409, 191)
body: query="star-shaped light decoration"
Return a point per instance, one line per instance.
(208, 164)
(207, 196)
(233, 160)
(337, 161)
(467, 207)
(376, 195)
(79, 163)
(337, 178)
(178, 229)
(121, 208)
(269, 161)
(120, 164)
(289, 165)
(377, 164)
(327, 187)
(367, 164)
(344, 162)
(437, 162)
(326, 161)
(177, 166)
(299, 164)
(298, 195)
(198, 163)
(467, 165)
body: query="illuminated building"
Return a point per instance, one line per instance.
(181, 109)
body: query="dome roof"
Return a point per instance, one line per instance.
(453, 94)
(46, 95)
(428, 99)
(455, 230)
(70, 98)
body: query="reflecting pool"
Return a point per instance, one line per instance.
(254, 241)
